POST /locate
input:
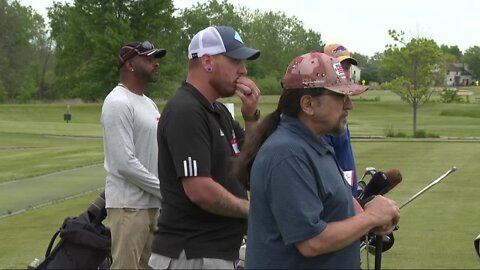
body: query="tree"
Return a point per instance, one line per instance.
(368, 66)
(472, 59)
(413, 69)
(22, 38)
(452, 53)
(88, 36)
(277, 36)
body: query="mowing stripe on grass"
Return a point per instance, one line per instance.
(20, 195)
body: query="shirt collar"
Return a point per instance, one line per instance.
(294, 125)
(198, 96)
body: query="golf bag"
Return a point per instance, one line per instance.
(84, 241)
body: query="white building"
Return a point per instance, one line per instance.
(458, 75)
(355, 73)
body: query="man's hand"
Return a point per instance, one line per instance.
(249, 93)
(385, 212)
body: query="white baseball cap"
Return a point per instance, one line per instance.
(224, 40)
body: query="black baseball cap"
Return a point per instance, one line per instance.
(133, 49)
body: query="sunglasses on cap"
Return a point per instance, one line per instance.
(145, 48)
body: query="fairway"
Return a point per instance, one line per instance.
(45, 159)
(27, 193)
(437, 229)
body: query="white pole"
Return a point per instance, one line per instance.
(231, 108)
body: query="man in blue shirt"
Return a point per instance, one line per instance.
(341, 143)
(301, 209)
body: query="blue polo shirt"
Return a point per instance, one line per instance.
(296, 188)
(344, 153)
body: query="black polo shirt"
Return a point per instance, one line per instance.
(196, 139)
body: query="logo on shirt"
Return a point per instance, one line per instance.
(190, 167)
(221, 133)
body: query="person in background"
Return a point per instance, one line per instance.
(342, 143)
(132, 192)
(205, 209)
(302, 212)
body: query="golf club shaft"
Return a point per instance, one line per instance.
(378, 252)
(436, 181)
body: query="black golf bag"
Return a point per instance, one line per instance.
(84, 241)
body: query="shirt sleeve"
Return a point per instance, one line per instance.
(189, 141)
(295, 202)
(117, 120)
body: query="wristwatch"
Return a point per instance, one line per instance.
(252, 118)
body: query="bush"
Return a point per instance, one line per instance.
(270, 85)
(375, 99)
(449, 95)
(390, 132)
(374, 86)
(3, 95)
(420, 134)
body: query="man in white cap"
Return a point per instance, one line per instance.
(204, 209)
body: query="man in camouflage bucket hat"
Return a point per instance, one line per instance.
(301, 208)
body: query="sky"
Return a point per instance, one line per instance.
(362, 25)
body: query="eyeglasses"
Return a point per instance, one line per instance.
(339, 96)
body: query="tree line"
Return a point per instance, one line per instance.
(75, 55)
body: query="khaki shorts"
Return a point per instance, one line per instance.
(132, 235)
(158, 261)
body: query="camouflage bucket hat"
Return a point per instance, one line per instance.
(318, 70)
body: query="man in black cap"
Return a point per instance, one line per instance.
(132, 192)
(204, 209)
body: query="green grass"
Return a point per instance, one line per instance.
(436, 230)
(34, 139)
(27, 155)
(25, 194)
(26, 236)
(371, 118)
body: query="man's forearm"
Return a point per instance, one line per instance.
(250, 126)
(214, 198)
(228, 205)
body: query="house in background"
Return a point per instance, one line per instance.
(355, 73)
(458, 75)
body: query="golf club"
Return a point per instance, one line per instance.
(416, 195)
(368, 171)
(361, 184)
(436, 181)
